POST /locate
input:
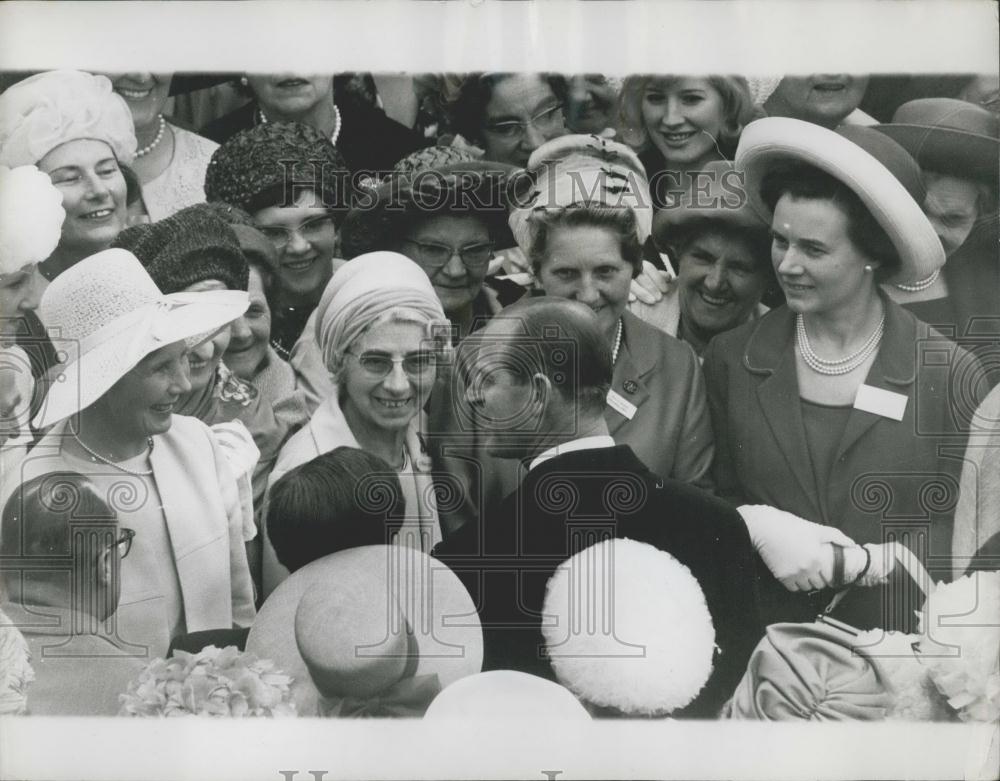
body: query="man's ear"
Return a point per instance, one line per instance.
(105, 563)
(541, 388)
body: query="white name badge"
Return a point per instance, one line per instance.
(881, 402)
(621, 405)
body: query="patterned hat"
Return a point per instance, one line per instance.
(52, 108)
(188, 247)
(271, 163)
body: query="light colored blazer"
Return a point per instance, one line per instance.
(671, 431)
(204, 517)
(326, 431)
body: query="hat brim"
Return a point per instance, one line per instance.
(88, 373)
(439, 610)
(949, 151)
(769, 141)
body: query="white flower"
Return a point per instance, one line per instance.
(31, 217)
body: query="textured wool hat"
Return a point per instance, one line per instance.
(632, 629)
(577, 169)
(190, 246)
(110, 315)
(31, 217)
(433, 157)
(49, 109)
(722, 200)
(949, 136)
(270, 164)
(771, 141)
(472, 187)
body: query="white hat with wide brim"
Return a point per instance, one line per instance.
(766, 142)
(105, 314)
(439, 611)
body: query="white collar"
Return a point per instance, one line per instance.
(584, 443)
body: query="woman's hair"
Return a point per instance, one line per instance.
(804, 181)
(736, 100)
(617, 220)
(468, 112)
(342, 499)
(757, 240)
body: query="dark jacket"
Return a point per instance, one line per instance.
(369, 140)
(890, 479)
(507, 561)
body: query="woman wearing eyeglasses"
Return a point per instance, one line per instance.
(380, 330)
(510, 115)
(296, 186)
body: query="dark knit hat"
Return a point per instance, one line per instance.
(272, 163)
(188, 247)
(400, 203)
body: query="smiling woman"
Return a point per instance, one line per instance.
(296, 186)
(74, 128)
(170, 161)
(381, 331)
(163, 473)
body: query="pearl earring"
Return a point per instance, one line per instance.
(244, 82)
(868, 268)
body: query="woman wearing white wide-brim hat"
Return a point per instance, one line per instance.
(124, 349)
(834, 408)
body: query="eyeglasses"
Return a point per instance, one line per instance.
(310, 230)
(380, 364)
(546, 120)
(436, 256)
(124, 542)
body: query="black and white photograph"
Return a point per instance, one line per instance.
(447, 390)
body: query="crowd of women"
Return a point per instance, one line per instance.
(239, 322)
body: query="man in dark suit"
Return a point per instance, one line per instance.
(537, 378)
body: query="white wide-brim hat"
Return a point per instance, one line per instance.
(105, 314)
(506, 694)
(439, 611)
(769, 141)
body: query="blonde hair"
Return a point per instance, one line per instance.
(736, 100)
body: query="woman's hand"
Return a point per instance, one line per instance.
(798, 552)
(650, 286)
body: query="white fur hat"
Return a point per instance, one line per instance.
(632, 629)
(31, 217)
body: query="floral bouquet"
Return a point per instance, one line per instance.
(213, 682)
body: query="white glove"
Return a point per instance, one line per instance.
(798, 552)
(238, 445)
(651, 284)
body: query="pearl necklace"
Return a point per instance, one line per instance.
(102, 459)
(840, 366)
(153, 144)
(336, 127)
(921, 284)
(618, 343)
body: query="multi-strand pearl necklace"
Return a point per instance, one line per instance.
(840, 366)
(618, 343)
(336, 127)
(153, 144)
(921, 284)
(109, 462)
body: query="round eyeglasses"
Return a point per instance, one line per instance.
(124, 542)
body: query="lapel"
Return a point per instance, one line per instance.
(637, 357)
(328, 427)
(894, 370)
(770, 353)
